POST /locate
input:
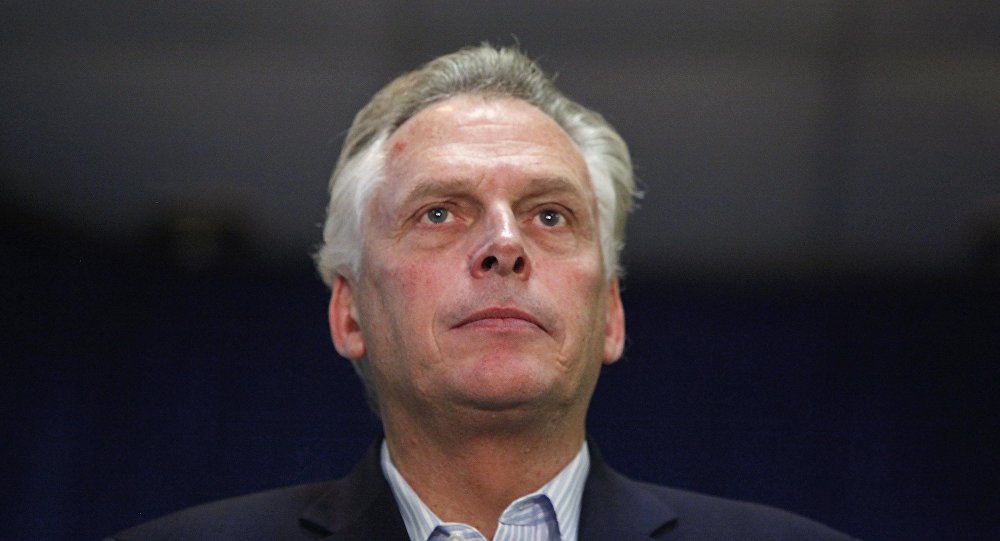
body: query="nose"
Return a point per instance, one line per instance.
(501, 248)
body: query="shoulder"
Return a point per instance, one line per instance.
(613, 504)
(358, 506)
(711, 517)
(273, 514)
(700, 516)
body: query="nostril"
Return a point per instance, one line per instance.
(489, 263)
(518, 264)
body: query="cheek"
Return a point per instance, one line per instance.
(577, 291)
(418, 274)
(409, 286)
(591, 294)
(400, 312)
(585, 278)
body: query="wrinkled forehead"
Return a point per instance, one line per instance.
(470, 135)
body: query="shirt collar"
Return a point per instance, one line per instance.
(564, 491)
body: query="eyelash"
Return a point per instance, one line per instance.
(448, 216)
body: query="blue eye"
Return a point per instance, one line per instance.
(437, 215)
(550, 217)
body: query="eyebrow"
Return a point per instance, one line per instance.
(561, 185)
(463, 186)
(438, 188)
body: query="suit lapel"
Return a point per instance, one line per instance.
(616, 507)
(357, 507)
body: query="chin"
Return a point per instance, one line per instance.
(507, 392)
(505, 380)
(496, 400)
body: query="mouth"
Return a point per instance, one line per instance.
(498, 318)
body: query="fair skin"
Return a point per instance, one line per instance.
(482, 306)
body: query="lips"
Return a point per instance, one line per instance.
(501, 318)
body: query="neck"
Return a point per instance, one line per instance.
(471, 476)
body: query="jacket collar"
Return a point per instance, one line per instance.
(616, 507)
(361, 506)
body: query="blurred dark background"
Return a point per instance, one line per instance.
(812, 299)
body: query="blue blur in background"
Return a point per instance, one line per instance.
(812, 298)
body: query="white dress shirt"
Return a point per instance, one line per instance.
(551, 513)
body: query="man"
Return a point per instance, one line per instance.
(471, 245)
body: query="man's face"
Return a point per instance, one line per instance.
(481, 284)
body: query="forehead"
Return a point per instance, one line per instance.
(475, 137)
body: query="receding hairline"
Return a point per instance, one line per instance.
(575, 180)
(486, 97)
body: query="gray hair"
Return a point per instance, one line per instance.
(482, 70)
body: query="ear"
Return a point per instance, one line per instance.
(614, 330)
(344, 327)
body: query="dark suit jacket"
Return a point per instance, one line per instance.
(360, 507)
